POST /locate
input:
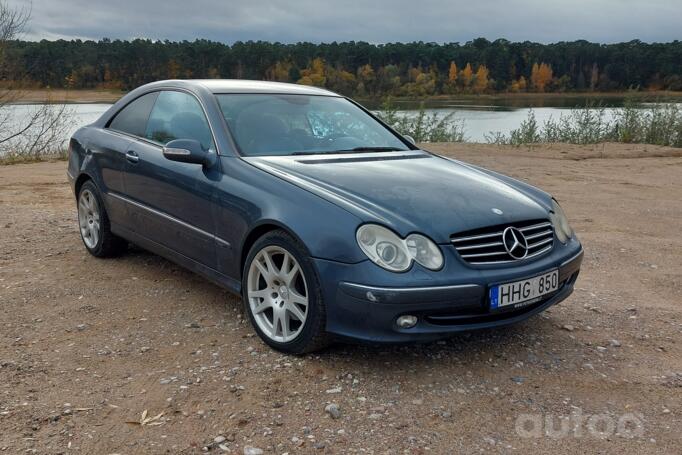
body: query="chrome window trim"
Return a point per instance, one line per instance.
(159, 90)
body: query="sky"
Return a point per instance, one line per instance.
(375, 21)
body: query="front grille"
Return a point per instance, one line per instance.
(486, 246)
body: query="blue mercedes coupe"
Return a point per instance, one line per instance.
(327, 222)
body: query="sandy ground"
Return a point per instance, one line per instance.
(111, 96)
(62, 95)
(90, 345)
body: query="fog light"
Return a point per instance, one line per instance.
(407, 321)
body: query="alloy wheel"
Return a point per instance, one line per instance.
(277, 294)
(89, 218)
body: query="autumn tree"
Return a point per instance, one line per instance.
(466, 76)
(213, 73)
(481, 79)
(388, 80)
(541, 76)
(279, 72)
(315, 74)
(453, 73)
(173, 69)
(128, 64)
(366, 78)
(341, 81)
(421, 83)
(519, 85)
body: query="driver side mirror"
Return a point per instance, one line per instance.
(188, 151)
(410, 139)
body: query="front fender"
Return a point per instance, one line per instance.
(248, 198)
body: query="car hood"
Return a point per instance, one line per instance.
(411, 191)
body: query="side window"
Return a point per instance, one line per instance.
(178, 115)
(132, 119)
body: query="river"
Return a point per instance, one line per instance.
(479, 117)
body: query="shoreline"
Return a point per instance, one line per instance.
(94, 96)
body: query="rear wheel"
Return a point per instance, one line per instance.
(282, 295)
(94, 225)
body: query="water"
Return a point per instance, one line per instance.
(479, 116)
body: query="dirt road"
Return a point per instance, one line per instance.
(90, 345)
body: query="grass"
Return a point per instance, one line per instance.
(20, 158)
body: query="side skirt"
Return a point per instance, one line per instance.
(210, 274)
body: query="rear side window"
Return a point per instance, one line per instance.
(178, 115)
(132, 119)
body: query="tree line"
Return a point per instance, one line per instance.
(354, 68)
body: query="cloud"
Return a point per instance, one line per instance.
(375, 21)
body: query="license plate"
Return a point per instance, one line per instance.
(524, 292)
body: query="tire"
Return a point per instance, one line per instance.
(94, 225)
(273, 292)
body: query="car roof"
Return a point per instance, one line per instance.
(247, 86)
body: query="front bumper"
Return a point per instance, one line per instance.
(368, 313)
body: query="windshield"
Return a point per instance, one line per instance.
(268, 124)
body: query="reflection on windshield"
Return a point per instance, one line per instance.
(269, 124)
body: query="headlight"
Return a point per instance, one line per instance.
(561, 227)
(391, 252)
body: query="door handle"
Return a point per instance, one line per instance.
(132, 156)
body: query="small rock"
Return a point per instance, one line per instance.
(601, 349)
(615, 343)
(333, 410)
(518, 379)
(248, 450)
(490, 440)
(375, 416)
(319, 445)
(219, 439)
(568, 327)
(334, 390)
(144, 348)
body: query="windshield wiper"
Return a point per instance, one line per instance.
(356, 149)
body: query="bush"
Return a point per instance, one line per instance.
(422, 126)
(659, 124)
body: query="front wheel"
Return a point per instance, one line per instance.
(282, 295)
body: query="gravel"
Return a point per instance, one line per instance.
(210, 377)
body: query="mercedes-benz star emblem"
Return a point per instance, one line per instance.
(515, 243)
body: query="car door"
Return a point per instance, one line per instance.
(109, 149)
(171, 203)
